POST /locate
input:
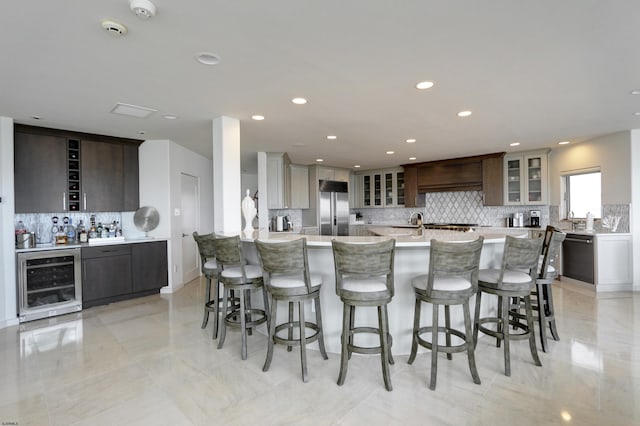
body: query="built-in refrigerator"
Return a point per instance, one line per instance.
(333, 207)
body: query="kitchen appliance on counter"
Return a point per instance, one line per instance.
(333, 207)
(534, 218)
(49, 283)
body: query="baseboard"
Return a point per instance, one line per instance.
(9, 323)
(169, 290)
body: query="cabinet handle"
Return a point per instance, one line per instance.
(64, 201)
(84, 200)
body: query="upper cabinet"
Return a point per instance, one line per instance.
(525, 178)
(59, 171)
(379, 188)
(287, 184)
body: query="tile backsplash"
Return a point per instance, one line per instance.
(41, 223)
(454, 207)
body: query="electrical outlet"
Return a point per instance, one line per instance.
(177, 212)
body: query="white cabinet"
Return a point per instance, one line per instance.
(330, 173)
(613, 268)
(525, 178)
(380, 188)
(287, 184)
(299, 186)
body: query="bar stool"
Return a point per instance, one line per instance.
(235, 275)
(510, 281)
(364, 277)
(542, 305)
(452, 280)
(209, 269)
(287, 279)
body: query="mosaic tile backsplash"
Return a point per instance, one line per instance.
(623, 211)
(454, 207)
(41, 223)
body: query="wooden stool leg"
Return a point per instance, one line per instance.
(216, 308)
(303, 343)
(503, 324)
(352, 320)
(290, 330)
(272, 330)
(476, 319)
(434, 347)
(551, 312)
(447, 326)
(532, 335)
(469, 343)
(383, 326)
(223, 329)
(542, 320)
(243, 324)
(323, 351)
(389, 351)
(205, 318)
(500, 324)
(344, 354)
(416, 327)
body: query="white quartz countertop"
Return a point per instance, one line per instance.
(49, 246)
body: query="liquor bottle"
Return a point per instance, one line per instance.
(83, 237)
(93, 232)
(61, 235)
(112, 229)
(71, 231)
(99, 230)
(54, 229)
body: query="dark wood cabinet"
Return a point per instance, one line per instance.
(40, 165)
(106, 274)
(492, 181)
(410, 186)
(117, 272)
(149, 262)
(102, 176)
(58, 171)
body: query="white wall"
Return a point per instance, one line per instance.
(161, 164)
(635, 206)
(612, 153)
(8, 309)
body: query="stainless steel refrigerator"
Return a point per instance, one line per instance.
(334, 207)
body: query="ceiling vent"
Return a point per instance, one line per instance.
(114, 28)
(132, 110)
(143, 9)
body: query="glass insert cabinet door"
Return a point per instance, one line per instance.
(514, 189)
(534, 179)
(366, 191)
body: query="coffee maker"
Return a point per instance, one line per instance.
(534, 218)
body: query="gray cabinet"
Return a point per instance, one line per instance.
(287, 184)
(299, 186)
(525, 178)
(123, 271)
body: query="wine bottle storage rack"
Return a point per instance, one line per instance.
(73, 188)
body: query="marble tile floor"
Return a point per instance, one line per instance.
(147, 362)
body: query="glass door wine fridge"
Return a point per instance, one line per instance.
(49, 283)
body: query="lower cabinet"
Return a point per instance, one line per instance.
(122, 271)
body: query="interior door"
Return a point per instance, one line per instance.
(190, 200)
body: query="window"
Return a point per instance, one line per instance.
(582, 194)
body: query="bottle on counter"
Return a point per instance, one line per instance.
(93, 231)
(112, 229)
(81, 232)
(70, 230)
(20, 228)
(54, 229)
(60, 234)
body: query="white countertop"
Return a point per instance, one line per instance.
(49, 246)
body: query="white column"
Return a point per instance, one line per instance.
(7, 211)
(227, 193)
(635, 206)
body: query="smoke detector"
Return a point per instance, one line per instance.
(143, 9)
(114, 28)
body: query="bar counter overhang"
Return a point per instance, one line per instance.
(411, 259)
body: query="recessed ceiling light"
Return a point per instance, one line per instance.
(412, 158)
(411, 141)
(424, 85)
(464, 113)
(636, 113)
(332, 137)
(356, 166)
(390, 152)
(299, 101)
(170, 116)
(514, 144)
(635, 92)
(319, 160)
(36, 117)
(207, 58)
(258, 117)
(563, 143)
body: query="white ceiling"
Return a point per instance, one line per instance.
(534, 72)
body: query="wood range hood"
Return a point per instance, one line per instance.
(476, 173)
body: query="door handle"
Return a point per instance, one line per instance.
(185, 235)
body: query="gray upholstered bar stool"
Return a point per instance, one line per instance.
(237, 276)
(364, 277)
(510, 281)
(287, 279)
(452, 280)
(547, 272)
(209, 269)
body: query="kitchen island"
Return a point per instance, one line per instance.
(411, 259)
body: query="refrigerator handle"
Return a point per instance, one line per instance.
(335, 220)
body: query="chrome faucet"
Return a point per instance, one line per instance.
(573, 222)
(418, 220)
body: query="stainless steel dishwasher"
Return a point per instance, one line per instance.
(578, 257)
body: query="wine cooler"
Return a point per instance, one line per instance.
(49, 283)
